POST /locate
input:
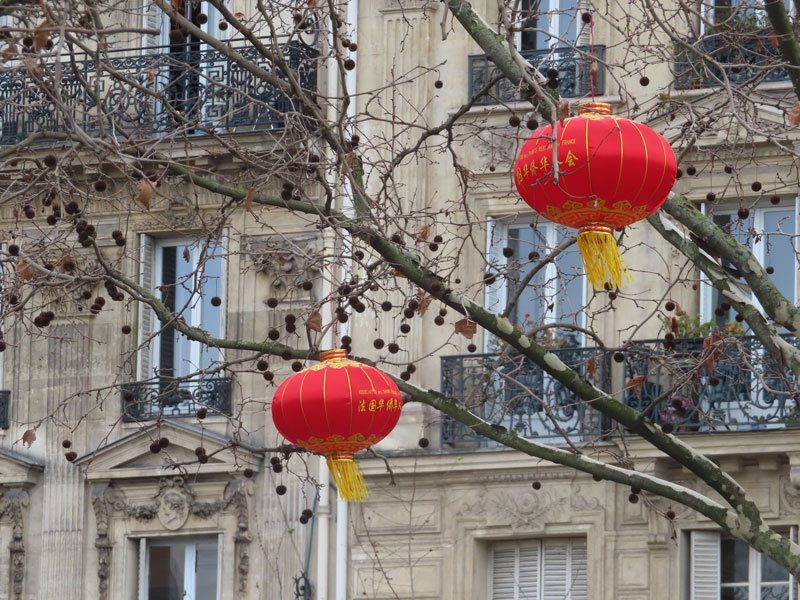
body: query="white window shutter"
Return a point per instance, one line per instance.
(152, 18)
(495, 294)
(578, 568)
(555, 569)
(705, 565)
(504, 571)
(529, 559)
(146, 325)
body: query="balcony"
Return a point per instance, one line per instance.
(167, 398)
(5, 397)
(573, 73)
(204, 87)
(745, 391)
(747, 57)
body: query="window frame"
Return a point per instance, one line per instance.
(540, 543)
(707, 8)
(143, 557)
(553, 28)
(758, 250)
(496, 294)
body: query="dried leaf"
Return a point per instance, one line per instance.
(177, 5)
(29, 437)
(773, 39)
(635, 383)
(312, 4)
(144, 192)
(563, 110)
(424, 304)
(794, 116)
(423, 233)
(465, 176)
(239, 15)
(248, 200)
(314, 322)
(32, 66)
(40, 38)
(591, 368)
(466, 328)
(187, 256)
(8, 52)
(24, 271)
(712, 349)
(151, 74)
(678, 310)
(594, 73)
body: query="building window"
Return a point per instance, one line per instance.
(557, 293)
(546, 23)
(738, 14)
(726, 568)
(769, 234)
(179, 569)
(550, 569)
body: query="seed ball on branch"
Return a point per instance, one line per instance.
(405, 328)
(202, 18)
(532, 124)
(756, 186)
(66, 443)
(155, 448)
(775, 199)
(770, 269)
(262, 365)
(472, 348)
(669, 306)
(163, 442)
(667, 427)
(52, 220)
(670, 514)
(360, 307)
(386, 306)
(286, 354)
(71, 455)
(644, 81)
(514, 121)
(597, 478)
(223, 25)
(711, 196)
(393, 348)
(714, 381)
(439, 320)
(280, 490)
(303, 519)
(728, 169)
(739, 318)
(273, 334)
(586, 17)
(274, 461)
(378, 343)
(349, 64)
(433, 247)
(297, 366)
(725, 305)
(50, 161)
(405, 375)
(552, 73)
(202, 459)
(423, 442)
(537, 485)
(743, 212)
(268, 376)
(438, 84)
(691, 170)
(277, 467)
(678, 174)
(342, 318)
(719, 312)
(359, 255)
(619, 357)
(126, 329)
(508, 252)
(633, 498)
(307, 286)
(248, 472)
(347, 340)
(202, 413)
(120, 241)
(13, 250)
(307, 512)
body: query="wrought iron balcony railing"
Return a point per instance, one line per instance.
(5, 398)
(515, 394)
(744, 391)
(573, 73)
(193, 87)
(746, 57)
(147, 400)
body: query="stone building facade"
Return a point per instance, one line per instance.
(458, 519)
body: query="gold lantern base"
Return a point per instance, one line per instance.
(601, 257)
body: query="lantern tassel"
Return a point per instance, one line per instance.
(347, 477)
(601, 257)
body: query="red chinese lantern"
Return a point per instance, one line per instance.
(337, 408)
(611, 172)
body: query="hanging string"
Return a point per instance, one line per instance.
(334, 323)
(591, 49)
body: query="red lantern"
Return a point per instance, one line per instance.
(611, 172)
(337, 408)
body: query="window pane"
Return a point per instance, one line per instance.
(772, 571)
(735, 561)
(569, 285)
(779, 252)
(568, 21)
(775, 592)
(530, 39)
(166, 572)
(213, 285)
(525, 240)
(734, 593)
(206, 571)
(184, 299)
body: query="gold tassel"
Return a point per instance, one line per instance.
(347, 477)
(601, 257)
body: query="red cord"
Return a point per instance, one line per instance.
(591, 36)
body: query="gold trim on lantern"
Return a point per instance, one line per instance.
(348, 478)
(598, 108)
(601, 257)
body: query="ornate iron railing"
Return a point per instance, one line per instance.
(572, 65)
(192, 87)
(5, 398)
(515, 394)
(744, 391)
(745, 57)
(147, 400)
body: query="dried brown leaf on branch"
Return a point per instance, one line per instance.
(635, 384)
(712, 350)
(29, 437)
(248, 199)
(591, 367)
(594, 73)
(24, 271)
(423, 233)
(466, 328)
(8, 52)
(144, 192)
(563, 110)
(314, 322)
(41, 36)
(794, 115)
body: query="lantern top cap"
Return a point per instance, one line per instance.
(598, 108)
(328, 355)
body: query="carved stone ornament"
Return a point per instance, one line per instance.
(12, 505)
(172, 504)
(510, 507)
(288, 260)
